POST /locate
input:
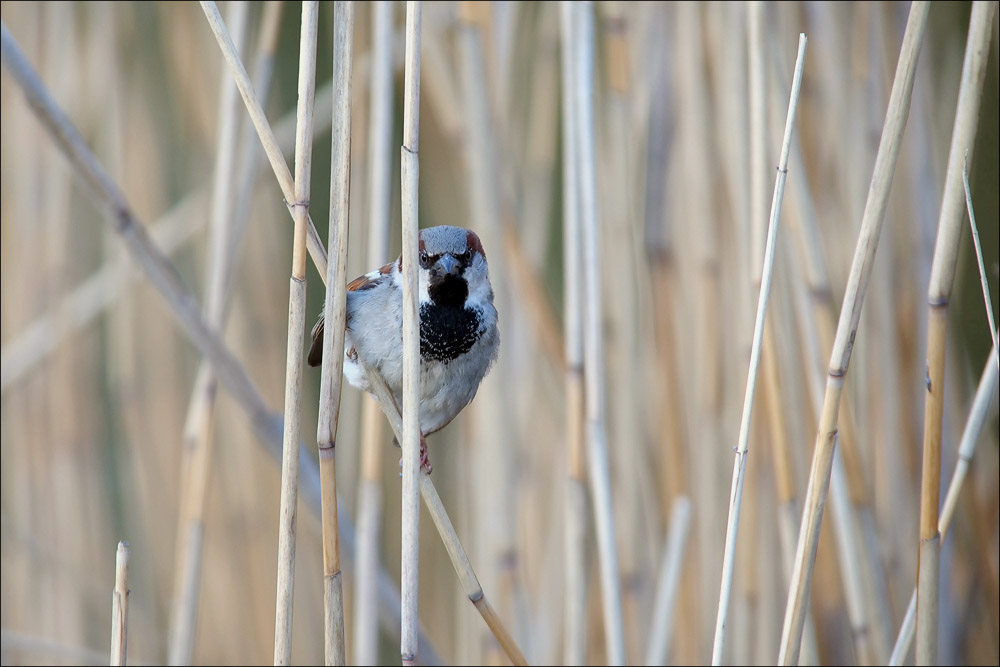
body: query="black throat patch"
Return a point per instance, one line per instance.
(446, 332)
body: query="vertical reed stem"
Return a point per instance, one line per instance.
(575, 597)
(850, 314)
(335, 316)
(379, 199)
(594, 372)
(119, 607)
(970, 436)
(942, 278)
(296, 328)
(410, 441)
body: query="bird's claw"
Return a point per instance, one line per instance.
(425, 461)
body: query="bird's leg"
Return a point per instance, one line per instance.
(425, 461)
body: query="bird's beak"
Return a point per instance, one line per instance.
(448, 265)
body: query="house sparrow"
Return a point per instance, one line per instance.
(459, 338)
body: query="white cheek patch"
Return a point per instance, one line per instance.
(422, 295)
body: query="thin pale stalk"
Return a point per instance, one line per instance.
(938, 294)
(410, 441)
(94, 294)
(970, 437)
(267, 138)
(662, 626)
(739, 464)
(871, 227)
(868, 580)
(119, 607)
(197, 440)
(988, 302)
(379, 199)
(296, 328)
(593, 338)
(574, 603)
(335, 316)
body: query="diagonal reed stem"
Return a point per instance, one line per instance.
(459, 558)
(739, 465)
(267, 138)
(296, 329)
(987, 301)
(850, 314)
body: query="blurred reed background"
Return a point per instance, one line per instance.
(97, 377)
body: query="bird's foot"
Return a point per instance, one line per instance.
(425, 461)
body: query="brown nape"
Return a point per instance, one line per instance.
(473, 242)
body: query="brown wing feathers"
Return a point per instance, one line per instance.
(359, 284)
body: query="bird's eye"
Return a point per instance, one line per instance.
(466, 256)
(423, 257)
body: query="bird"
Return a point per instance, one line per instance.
(459, 329)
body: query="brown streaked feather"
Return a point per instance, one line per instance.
(315, 357)
(359, 284)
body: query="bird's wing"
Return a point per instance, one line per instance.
(368, 281)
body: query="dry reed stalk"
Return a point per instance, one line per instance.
(410, 440)
(379, 199)
(598, 469)
(760, 85)
(197, 439)
(158, 269)
(874, 215)
(787, 500)
(970, 437)
(662, 626)
(296, 329)
(987, 301)
(335, 315)
(170, 231)
(857, 550)
(575, 509)
(739, 465)
(267, 138)
(119, 607)
(92, 296)
(446, 530)
(938, 294)
(265, 423)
